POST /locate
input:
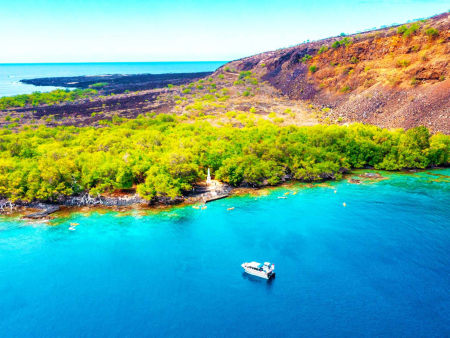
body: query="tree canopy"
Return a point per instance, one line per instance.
(162, 156)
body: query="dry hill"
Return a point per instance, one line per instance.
(392, 77)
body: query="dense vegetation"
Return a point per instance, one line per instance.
(164, 157)
(37, 98)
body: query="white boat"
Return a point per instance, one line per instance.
(261, 270)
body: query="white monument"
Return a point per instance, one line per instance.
(208, 178)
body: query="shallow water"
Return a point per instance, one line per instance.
(11, 74)
(377, 267)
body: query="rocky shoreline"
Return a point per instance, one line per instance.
(201, 194)
(119, 83)
(45, 209)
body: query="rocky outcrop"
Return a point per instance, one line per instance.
(119, 83)
(87, 200)
(47, 209)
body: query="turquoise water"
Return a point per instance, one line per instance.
(378, 267)
(11, 74)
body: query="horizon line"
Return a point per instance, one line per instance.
(84, 62)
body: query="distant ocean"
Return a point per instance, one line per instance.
(11, 74)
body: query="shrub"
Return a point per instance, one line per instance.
(170, 86)
(402, 29)
(199, 87)
(394, 81)
(432, 32)
(246, 93)
(306, 58)
(403, 63)
(335, 44)
(231, 114)
(263, 65)
(186, 91)
(93, 114)
(221, 76)
(227, 69)
(354, 60)
(345, 89)
(238, 83)
(366, 69)
(411, 30)
(244, 74)
(322, 49)
(346, 41)
(313, 68)
(414, 81)
(442, 78)
(98, 85)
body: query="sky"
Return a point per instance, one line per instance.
(46, 31)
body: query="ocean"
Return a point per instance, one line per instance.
(11, 74)
(377, 267)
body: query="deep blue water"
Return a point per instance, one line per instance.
(11, 74)
(378, 267)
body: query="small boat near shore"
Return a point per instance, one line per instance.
(260, 270)
(282, 197)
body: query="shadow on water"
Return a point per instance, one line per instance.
(259, 280)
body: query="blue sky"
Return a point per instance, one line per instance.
(184, 30)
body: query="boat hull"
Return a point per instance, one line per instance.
(261, 274)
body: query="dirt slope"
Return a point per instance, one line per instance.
(392, 77)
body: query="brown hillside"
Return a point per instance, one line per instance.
(389, 77)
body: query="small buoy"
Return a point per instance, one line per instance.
(230, 208)
(203, 208)
(196, 207)
(345, 204)
(335, 191)
(287, 193)
(282, 197)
